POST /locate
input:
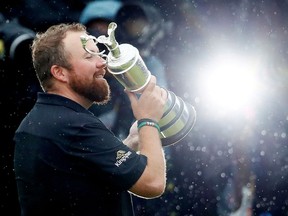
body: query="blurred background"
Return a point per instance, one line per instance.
(228, 58)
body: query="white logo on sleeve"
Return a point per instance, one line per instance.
(121, 157)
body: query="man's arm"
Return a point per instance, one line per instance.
(150, 105)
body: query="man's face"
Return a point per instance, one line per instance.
(87, 76)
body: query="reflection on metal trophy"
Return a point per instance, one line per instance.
(127, 66)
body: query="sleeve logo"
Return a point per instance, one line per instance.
(121, 157)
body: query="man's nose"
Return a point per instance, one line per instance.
(101, 63)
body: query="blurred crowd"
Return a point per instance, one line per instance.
(231, 165)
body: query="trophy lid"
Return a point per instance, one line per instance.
(110, 41)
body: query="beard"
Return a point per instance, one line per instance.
(96, 90)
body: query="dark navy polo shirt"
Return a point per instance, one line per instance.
(68, 163)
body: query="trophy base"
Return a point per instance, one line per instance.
(175, 138)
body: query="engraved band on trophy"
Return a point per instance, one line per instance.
(126, 65)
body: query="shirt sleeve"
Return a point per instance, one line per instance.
(104, 155)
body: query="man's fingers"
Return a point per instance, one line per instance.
(132, 97)
(152, 83)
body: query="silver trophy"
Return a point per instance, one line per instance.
(126, 65)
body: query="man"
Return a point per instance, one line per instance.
(66, 161)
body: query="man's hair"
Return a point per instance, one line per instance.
(48, 50)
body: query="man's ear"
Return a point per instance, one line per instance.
(58, 73)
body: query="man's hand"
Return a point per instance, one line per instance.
(151, 102)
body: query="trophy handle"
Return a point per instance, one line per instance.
(84, 39)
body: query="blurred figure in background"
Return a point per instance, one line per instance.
(141, 25)
(97, 15)
(17, 96)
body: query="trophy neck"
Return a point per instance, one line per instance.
(115, 50)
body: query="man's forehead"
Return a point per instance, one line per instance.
(73, 37)
(72, 40)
